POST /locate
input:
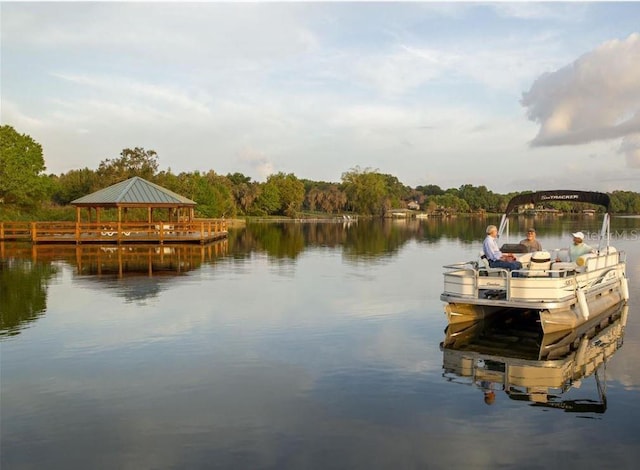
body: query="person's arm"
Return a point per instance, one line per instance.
(491, 250)
(587, 249)
(499, 255)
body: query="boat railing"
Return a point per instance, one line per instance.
(468, 280)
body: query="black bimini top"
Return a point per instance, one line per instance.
(559, 195)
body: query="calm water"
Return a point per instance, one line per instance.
(288, 346)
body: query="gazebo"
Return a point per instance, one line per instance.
(143, 197)
(136, 193)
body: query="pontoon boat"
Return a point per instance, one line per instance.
(564, 295)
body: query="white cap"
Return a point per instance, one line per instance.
(579, 235)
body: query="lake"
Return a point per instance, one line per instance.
(297, 345)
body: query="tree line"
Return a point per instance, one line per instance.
(26, 187)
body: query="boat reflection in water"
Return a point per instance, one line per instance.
(509, 353)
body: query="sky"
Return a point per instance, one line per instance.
(514, 96)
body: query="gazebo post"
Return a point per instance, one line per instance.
(119, 223)
(78, 215)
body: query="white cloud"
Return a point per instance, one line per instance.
(541, 10)
(13, 113)
(403, 69)
(257, 161)
(630, 147)
(135, 93)
(597, 97)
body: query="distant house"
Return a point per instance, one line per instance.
(414, 206)
(526, 208)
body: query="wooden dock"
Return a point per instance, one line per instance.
(201, 231)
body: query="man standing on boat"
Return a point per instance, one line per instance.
(530, 242)
(496, 258)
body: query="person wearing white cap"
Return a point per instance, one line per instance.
(578, 248)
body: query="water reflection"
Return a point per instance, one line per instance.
(511, 355)
(366, 239)
(120, 260)
(26, 270)
(376, 239)
(23, 292)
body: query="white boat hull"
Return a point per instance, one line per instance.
(562, 298)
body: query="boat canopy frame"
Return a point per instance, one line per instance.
(589, 197)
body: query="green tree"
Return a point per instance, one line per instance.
(267, 201)
(136, 162)
(430, 190)
(222, 203)
(291, 192)
(238, 178)
(334, 199)
(366, 191)
(244, 191)
(625, 202)
(21, 169)
(210, 191)
(479, 197)
(73, 185)
(449, 202)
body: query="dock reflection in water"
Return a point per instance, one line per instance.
(135, 272)
(511, 355)
(122, 260)
(145, 260)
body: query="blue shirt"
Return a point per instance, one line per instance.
(490, 248)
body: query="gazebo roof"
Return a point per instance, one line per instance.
(134, 191)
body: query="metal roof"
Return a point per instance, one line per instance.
(135, 190)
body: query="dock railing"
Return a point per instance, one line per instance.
(200, 231)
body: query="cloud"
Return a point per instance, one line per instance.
(129, 92)
(404, 68)
(257, 161)
(595, 98)
(570, 12)
(630, 147)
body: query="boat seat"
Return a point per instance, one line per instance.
(540, 264)
(525, 260)
(565, 268)
(484, 269)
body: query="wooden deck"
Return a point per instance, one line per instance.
(111, 232)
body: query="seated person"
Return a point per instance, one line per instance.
(530, 242)
(569, 256)
(495, 257)
(578, 248)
